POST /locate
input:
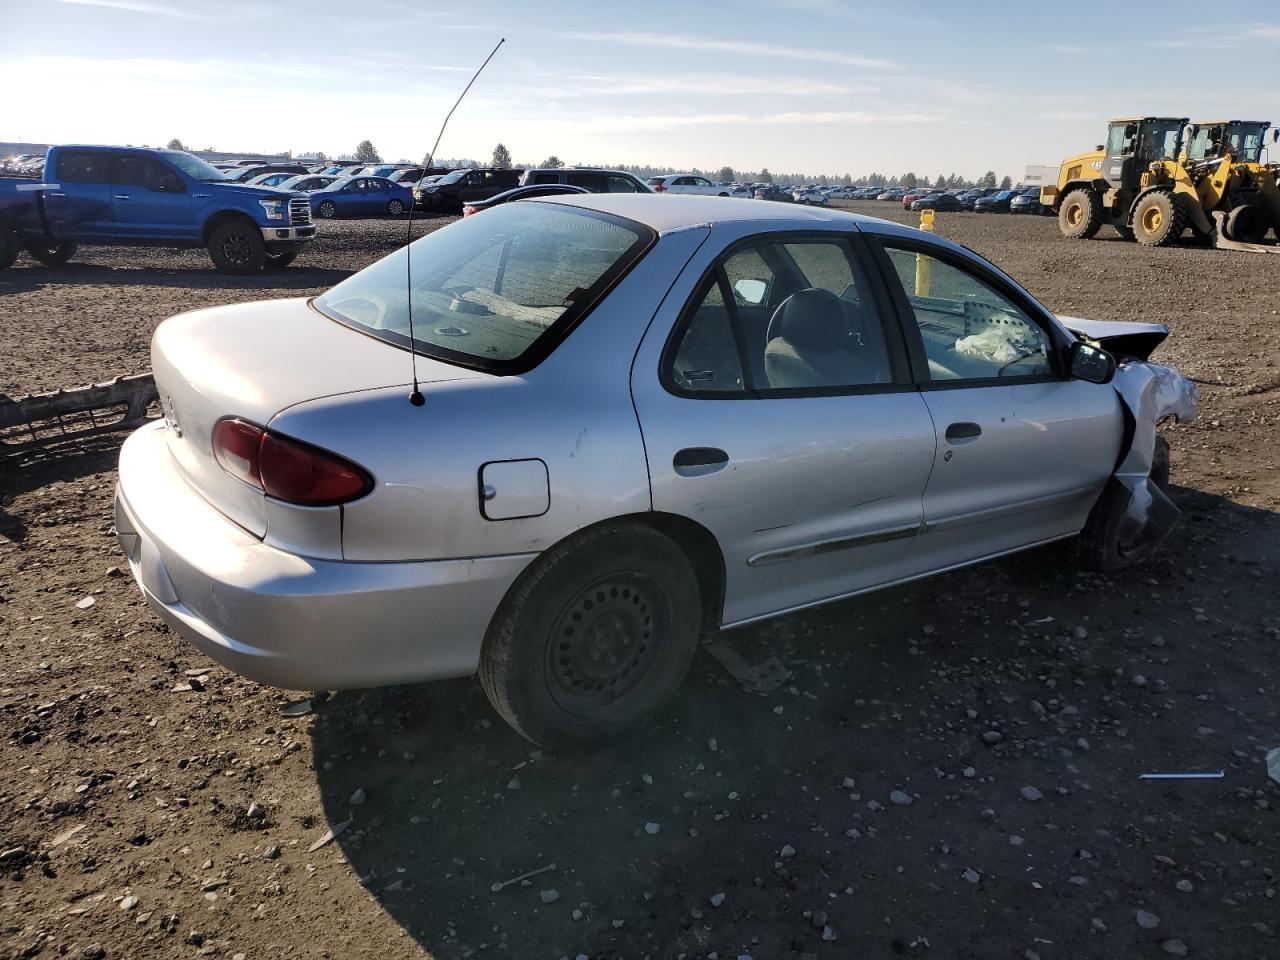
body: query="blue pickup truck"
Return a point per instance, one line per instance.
(141, 197)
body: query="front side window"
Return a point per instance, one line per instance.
(137, 171)
(495, 291)
(970, 331)
(802, 316)
(621, 185)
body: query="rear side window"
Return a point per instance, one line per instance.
(546, 178)
(494, 292)
(595, 182)
(84, 167)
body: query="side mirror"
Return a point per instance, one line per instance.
(1275, 135)
(1090, 363)
(751, 291)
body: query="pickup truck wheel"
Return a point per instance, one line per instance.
(327, 209)
(278, 261)
(395, 207)
(594, 638)
(237, 248)
(8, 249)
(51, 254)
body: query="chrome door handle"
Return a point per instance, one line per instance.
(122, 196)
(963, 432)
(55, 193)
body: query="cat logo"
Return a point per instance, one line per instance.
(1097, 164)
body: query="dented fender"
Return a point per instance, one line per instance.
(1152, 393)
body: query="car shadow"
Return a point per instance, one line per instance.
(39, 467)
(627, 849)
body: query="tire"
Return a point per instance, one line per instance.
(1080, 215)
(1098, 546)
(327, 209)
(51, 254)
(278, 261)
(1247, 223)
(1159, 219)
(1125, 231)
(395, 207)
(8, 248)
(612, 586)
(237, 248)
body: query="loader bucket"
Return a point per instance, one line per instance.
(1221, 242)
(46, 418)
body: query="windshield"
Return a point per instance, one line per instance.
(1245, 143)
(1158, 140)
(453, 177)
(489, 290)
(194, 167)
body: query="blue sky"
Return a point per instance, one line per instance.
(817, 86)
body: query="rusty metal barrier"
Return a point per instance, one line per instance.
(41, 419)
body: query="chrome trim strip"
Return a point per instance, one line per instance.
(816, 547)
(892, 583)
(1008, 509)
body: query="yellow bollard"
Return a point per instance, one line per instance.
(923, 260)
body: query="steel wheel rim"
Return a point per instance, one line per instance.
(236, 249)
(605, 643)
(1152, 219)
(1075, 213)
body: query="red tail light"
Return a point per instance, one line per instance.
(287, 469)
(468, 210)
(660, 187)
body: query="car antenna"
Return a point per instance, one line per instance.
(416, 398)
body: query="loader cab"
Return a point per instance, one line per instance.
(1243, 139)
(1133, 144)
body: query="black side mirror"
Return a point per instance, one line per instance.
(1090, 363)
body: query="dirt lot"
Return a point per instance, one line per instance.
(952, 771)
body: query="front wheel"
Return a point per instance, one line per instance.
(237, 248)
(51, 254)
(594, 638)
(1159, 218)
(395, 207)
(327, 209)
(1100, 546)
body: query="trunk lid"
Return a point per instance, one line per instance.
(252, 361)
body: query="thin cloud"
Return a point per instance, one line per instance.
(140, 6)
(674, 122)
(1267, 31)
(677, 41)
(718, 85)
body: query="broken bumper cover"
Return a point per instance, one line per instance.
(292, 621)
(1152, 393)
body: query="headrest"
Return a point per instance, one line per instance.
(811, 320)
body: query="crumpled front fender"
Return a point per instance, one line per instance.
(1152, 393)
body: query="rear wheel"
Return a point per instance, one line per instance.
(237, 248)
(395, 207)
(1246, 223)
(278, 261)
(594, 638)
(51, 254)
(1080, 216)
(1159, 218)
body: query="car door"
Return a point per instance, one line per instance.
(777, 413)
(149, 200)
(1023, 448)
(78, 203)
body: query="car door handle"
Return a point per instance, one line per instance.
(122, 196)
(699, 461)
(963, 432)
(55, 193)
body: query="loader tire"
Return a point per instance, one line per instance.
(1246, 223)
(1080, 216)
(1159, 218)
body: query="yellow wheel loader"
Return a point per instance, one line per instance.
(1235, 186)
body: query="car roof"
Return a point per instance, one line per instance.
(665, 214)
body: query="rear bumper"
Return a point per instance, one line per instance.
(292, 621)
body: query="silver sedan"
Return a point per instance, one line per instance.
(555, 442)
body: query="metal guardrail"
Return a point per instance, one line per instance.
(27, 423)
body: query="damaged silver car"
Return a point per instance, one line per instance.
(556, 443)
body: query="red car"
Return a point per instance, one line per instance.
(913, 195)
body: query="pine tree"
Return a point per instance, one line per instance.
(366, 153)
(501, 157)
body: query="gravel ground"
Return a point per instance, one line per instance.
(952, 771)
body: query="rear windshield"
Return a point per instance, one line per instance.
(494, 291)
